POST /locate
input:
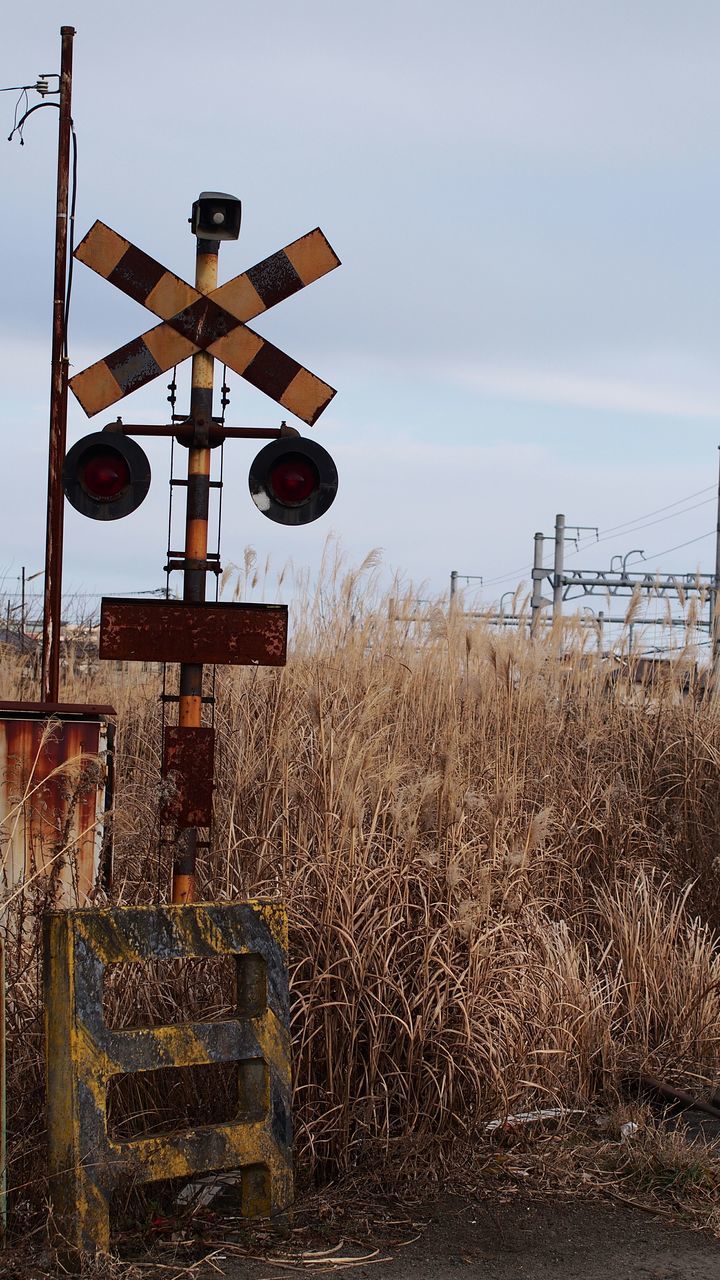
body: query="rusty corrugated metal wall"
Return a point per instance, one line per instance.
(53, 797)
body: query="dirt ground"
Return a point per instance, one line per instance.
(524, 1240)
(518, 1215)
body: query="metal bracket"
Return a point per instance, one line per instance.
(210, 565)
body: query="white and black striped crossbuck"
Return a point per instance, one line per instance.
(214, 322)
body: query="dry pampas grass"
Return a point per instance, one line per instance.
(501, 870)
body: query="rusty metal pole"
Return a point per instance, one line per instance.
(52, 603)
(196, 546)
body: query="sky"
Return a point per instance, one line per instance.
(524, 196)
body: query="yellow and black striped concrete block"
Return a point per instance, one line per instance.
(216, 323)
(83, 1054)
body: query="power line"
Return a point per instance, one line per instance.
(82, 595)
(629, 526)
(638, 527)
(615, 527)
(513, 573)
(689, 542)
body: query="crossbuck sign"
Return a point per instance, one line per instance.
(214, 322)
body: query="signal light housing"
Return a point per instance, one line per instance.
(106, 475)
(293, 480)
(216, 216)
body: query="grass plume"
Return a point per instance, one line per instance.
(500, 867)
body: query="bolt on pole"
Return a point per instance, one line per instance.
(52, 601)
(196, 548)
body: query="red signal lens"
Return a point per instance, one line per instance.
(293, 479)
(105, 475)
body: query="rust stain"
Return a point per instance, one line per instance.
(177, 631)
(188, 756)
(52, 793)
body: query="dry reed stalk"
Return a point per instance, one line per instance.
(492, 855)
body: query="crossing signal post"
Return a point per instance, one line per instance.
(292, 481)
(209, 225)
(106, 476)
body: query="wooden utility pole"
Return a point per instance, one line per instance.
(52, 602)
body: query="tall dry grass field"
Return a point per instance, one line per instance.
(501, 871)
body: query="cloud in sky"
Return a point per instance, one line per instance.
(585, 391)
(525, 199)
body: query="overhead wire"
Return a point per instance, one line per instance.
(505, 577)
(678, 502)
(690, 541)
(629, 526)
(18, 126)
(25, 103)
(637, 528)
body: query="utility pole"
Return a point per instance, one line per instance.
(536, 600)
(466, 577)
(556, 577)
(52, 602)
(22, 611)
(558, 566)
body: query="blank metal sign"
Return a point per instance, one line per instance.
(176, 631)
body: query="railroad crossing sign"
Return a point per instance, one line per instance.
(214, 322)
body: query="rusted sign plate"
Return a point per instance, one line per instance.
(188, 769)
(175, 631)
